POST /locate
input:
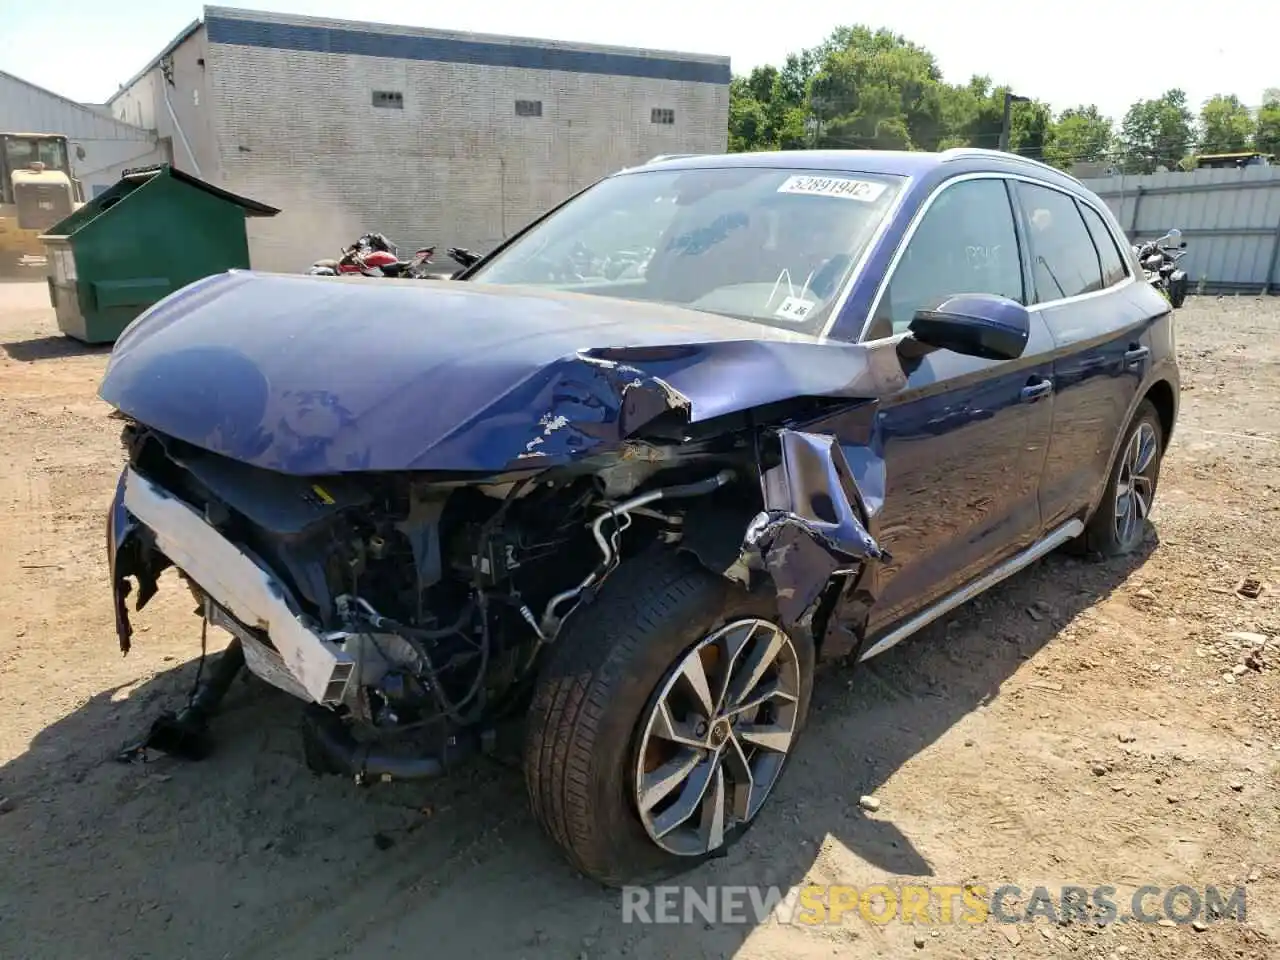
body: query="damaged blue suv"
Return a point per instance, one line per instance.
(632, 474)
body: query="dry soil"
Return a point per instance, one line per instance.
(1082, 724)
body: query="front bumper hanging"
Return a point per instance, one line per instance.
(145, 520)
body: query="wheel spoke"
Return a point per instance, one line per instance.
(1142, 496)
(1146, 449)
(690, 798)
(695, 678)
(1122, 503)
(764, 694)
(658, 785)
(1135, 452)
(748, 673)
(770, 737)
(711, 829)
(735, 759)
(1125, 519)
(666, 727)
(733, 644)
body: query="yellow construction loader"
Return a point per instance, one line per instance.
(36, 191)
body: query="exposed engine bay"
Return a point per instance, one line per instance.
(410, 607)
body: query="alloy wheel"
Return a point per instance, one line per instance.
(1135, 487)
(717, 736)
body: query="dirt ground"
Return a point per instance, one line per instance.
(1082, 724)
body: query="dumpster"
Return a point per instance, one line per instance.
(156, 230)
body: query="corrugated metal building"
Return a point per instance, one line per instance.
(100, 146)
(428, 136)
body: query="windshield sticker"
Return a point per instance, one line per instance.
(843, 187)
(795, 309)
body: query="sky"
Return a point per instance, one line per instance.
(1087, 51)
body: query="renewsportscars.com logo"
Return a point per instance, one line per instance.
(815, 905)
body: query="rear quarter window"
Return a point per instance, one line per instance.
(1113, 270)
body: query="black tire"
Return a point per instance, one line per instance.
(601, 678)
(1178, 294)
(1101, 535)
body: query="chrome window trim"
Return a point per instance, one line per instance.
(988, 175)
(890, 215)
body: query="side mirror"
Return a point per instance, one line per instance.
(976, 325)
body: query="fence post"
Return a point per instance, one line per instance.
(1137, 202)
(1271, 267)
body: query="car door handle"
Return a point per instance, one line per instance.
(1136, 354)
(1035, 389)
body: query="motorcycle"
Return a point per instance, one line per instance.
(1159, 259)
(373, 255)
(464, 257)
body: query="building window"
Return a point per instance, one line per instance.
(662, 115)
(388, 99)
(528, 108)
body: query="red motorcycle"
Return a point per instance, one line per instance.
(373, 255)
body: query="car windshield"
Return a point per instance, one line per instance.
(769, 245)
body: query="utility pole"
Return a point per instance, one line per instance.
(1009, 100)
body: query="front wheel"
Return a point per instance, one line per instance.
(665, 716)
(1119, 525)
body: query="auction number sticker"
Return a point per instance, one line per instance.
(844, 187)
(795, 309)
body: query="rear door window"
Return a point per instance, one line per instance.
(1113, 270)
(1064, 261)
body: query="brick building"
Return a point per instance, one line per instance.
(428, 136)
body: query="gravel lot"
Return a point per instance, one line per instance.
(1081, 724)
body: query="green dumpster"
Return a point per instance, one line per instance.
(154, 231)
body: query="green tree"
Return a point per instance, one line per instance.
(1079, 135)
(1266, 137)
(1226, 125)
(1156, 133)
(762, 113)
(876, 90)
(1030, 127)
(972, 114)
(1266, 134)
(746, 117)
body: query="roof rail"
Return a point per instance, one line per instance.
(662, 157)
(979, 153)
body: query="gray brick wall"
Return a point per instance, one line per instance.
(455, 166)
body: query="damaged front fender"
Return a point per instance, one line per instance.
(812, 531)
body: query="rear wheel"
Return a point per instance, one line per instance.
(1119, 525)
(663, 719)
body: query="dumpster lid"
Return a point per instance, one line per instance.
(252, 208)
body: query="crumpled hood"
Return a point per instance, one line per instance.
(311, 375)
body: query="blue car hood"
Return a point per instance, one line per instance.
(312, 375)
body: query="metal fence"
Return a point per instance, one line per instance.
(1229, 218)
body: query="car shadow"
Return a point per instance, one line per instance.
(52, 348)
(248, 854)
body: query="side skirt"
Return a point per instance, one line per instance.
(1068, 531)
